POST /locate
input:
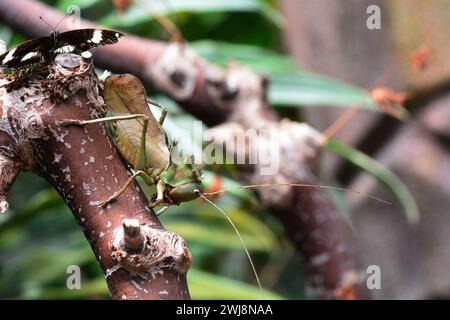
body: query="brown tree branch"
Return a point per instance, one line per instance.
(85, 168)
(320, 233)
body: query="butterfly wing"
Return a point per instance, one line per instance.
(44, 48)
(85, 39)
(27, 53)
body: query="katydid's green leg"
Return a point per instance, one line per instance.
(160, 188)
(142, 160)
(161, 211)
(72, 122)
(195, 172)
(163, 111)
(155, 103)
(123, 188)
(141, 163)
(162, 116)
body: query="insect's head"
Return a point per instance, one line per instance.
(183, 193)
(54, 36)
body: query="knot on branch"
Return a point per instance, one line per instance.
(221, 86)
(237, 89)
(175, 72)
(143, 250)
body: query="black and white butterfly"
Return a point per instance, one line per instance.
(44, 49)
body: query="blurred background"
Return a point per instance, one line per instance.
(322, 60)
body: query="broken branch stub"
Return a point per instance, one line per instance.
(84, 167)
(143, 250)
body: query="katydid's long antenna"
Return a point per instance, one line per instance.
(302, 185)
(197, 192)
(46, 23)
(62, 19)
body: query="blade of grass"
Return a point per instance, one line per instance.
(289, 86)
(203, 285)
(136, 15)
(383, 174)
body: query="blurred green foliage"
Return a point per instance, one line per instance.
(39, 237)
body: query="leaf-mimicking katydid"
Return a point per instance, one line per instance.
(143, 143)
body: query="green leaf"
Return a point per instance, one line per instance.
(288, 85)
(212, 229)
(204, 285)
(384, 175)
(89, 289)
(257, 58)
(313, 90)
(306, 89)
(5, 35)
(32, 265)
(138, 13)
(82, 4)
(272, 13)
(45, 201)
